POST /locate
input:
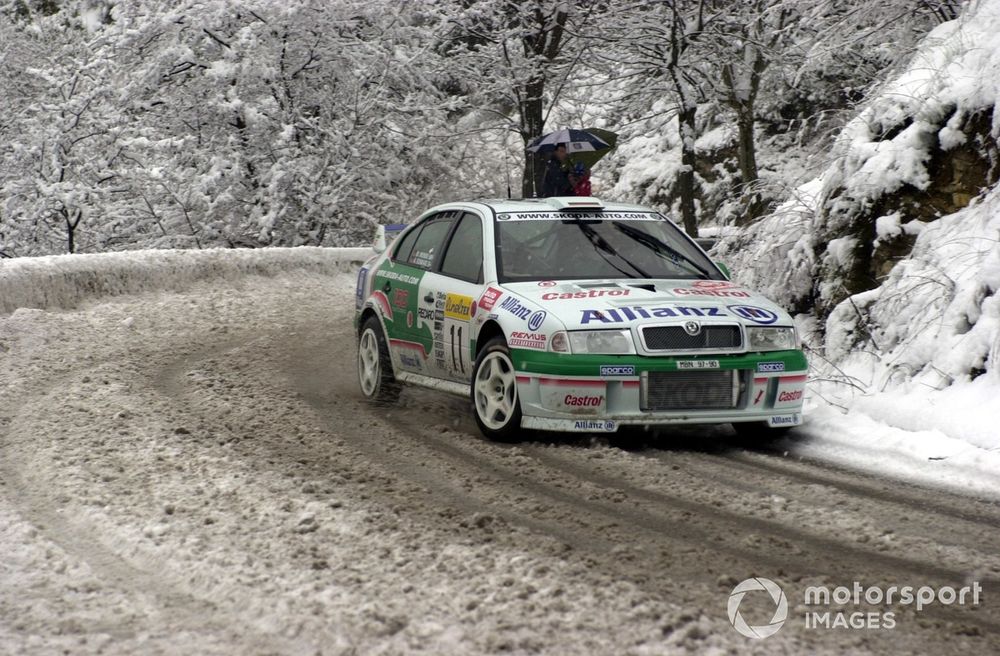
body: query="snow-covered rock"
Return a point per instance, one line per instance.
(892, 254)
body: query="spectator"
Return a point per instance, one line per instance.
(580, 179)
(556, 181)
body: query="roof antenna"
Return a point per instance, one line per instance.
(506, 163)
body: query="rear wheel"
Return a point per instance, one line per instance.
(494, 392)
(375, 365)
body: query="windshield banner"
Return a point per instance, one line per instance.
(575, 214)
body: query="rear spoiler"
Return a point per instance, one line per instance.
(386, 234)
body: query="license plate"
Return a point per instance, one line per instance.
(698, 364)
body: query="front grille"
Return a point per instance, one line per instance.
(675, 338)
(689, 390)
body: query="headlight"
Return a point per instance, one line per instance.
(559, 342)
(605, 342)
(770, 339)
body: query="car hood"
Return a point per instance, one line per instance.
(583, 304)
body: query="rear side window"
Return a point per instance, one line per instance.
(405, 245)
(429, 243)
(464, 258)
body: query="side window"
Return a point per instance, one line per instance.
(429, 242)
(464, 258)
(405, 245)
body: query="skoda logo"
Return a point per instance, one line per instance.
(761, 630)
(692, 328)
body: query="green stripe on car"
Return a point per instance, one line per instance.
(542, 362)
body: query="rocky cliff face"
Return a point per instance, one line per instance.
(960, 159)
(893, 252)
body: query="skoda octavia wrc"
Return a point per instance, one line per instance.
(570, 314)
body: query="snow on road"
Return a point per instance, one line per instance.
(194, 472)
(155, 526)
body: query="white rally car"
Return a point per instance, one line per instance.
(569, 314)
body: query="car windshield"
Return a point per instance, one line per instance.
(595, 245)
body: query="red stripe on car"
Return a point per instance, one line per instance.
(416, 346)
(379, 297)
(571, 382)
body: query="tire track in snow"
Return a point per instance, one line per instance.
(161, 605)
(653, 523)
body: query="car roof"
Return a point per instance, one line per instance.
(544, 204)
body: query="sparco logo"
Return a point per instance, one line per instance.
(780, 612)
(617, 370)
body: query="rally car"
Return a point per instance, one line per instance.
(571, 314)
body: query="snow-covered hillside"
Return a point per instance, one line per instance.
(892, 255)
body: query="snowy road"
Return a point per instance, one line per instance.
(195, 472)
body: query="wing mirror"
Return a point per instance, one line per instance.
(724, 269)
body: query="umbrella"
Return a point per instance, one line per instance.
(589, 158)
(586, 146)
(576, 141)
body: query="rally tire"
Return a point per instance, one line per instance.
(375, 375)
(496, 406)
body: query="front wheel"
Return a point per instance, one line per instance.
(494, 392)
(375, 366)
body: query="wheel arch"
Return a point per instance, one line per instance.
(370, 311)
(367, 313)
(488, 331)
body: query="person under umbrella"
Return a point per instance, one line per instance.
(580, 179)
(556, 181)
(587, 147)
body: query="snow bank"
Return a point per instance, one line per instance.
(920, 352)
(64, 281)
(936, 318)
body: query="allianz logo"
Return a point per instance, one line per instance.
(594, 425)
(625, 314)
(512, 305)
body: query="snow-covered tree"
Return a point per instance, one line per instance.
(514, 60)
(59, 169)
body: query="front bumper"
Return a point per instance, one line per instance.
(597, 393)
